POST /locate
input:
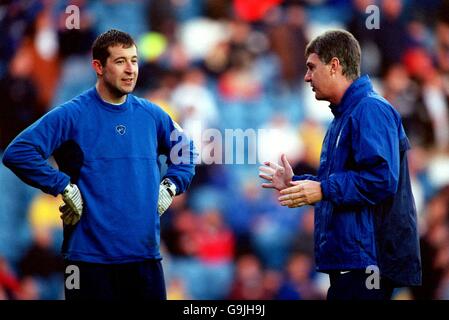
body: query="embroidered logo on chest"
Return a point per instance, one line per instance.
(121, 129)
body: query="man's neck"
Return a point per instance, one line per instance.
(341, 86)
(106, 96)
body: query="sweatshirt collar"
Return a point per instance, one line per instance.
(110, 106)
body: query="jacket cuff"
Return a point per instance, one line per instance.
(325, 189)
(64, 182)
(175, 182)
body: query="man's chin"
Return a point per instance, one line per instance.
(126, 90)
(318, 97)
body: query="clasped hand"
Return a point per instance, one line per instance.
(301, 193)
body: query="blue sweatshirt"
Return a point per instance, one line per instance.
(111, 153)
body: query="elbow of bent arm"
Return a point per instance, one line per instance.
(7, 158)
(13, 156)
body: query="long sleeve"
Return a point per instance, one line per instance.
(180, 151)
(375, 146)
(27, 155)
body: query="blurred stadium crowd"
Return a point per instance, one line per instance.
(226, 64)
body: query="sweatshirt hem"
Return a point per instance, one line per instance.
(109, 260)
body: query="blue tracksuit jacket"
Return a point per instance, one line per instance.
(111, 153)
(367, 215)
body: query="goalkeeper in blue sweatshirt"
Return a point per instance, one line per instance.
(106, 143)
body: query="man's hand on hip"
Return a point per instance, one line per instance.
(72, 209)
(68, 216)
(167, 191)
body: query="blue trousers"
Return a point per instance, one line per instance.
(352, 286)
(128, 281)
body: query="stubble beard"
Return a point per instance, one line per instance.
(116, 91)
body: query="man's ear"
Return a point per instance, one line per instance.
(335, 65)
(98, 67)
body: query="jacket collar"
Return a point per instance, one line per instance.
(353, 94)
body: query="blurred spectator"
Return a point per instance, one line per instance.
(180, 236)
(215, 240)
(15, 198)
(298, 283)
(13, 288)
(404, 94)
(16, 19)
(162, 17)
(123, 15)
(280, 137)
(366, 37)
(39, 49)
(442, 39)
(249, 206)
(176, 290)
(312, 135)
(75, 41)
(216, 247)
(273, 232)
(434, 247)
(303, 242)
(74, 51)
(189, 9)
(392, 37)
(9, 284)
(253, 10)
(199, 35)
(248, 281)
(421, 186)
(194, 104)
(42, 260)
(19, 105)
(432, 94)
(238, 82)
(288, 41)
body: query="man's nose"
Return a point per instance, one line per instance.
(307, 77)
(130, 67)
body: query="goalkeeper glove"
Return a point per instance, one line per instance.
(73, 207)
(167, 191)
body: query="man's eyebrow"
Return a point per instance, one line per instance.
(123, 57)
(310, 64)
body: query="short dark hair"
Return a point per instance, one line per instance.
(108, 39)
(340, 44)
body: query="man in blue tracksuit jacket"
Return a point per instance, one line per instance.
(106, 143)
(365, 217)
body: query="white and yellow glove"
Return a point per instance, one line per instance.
(72, 208)
(167, 191)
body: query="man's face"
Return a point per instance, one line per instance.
(121, 70)
(320, 77)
